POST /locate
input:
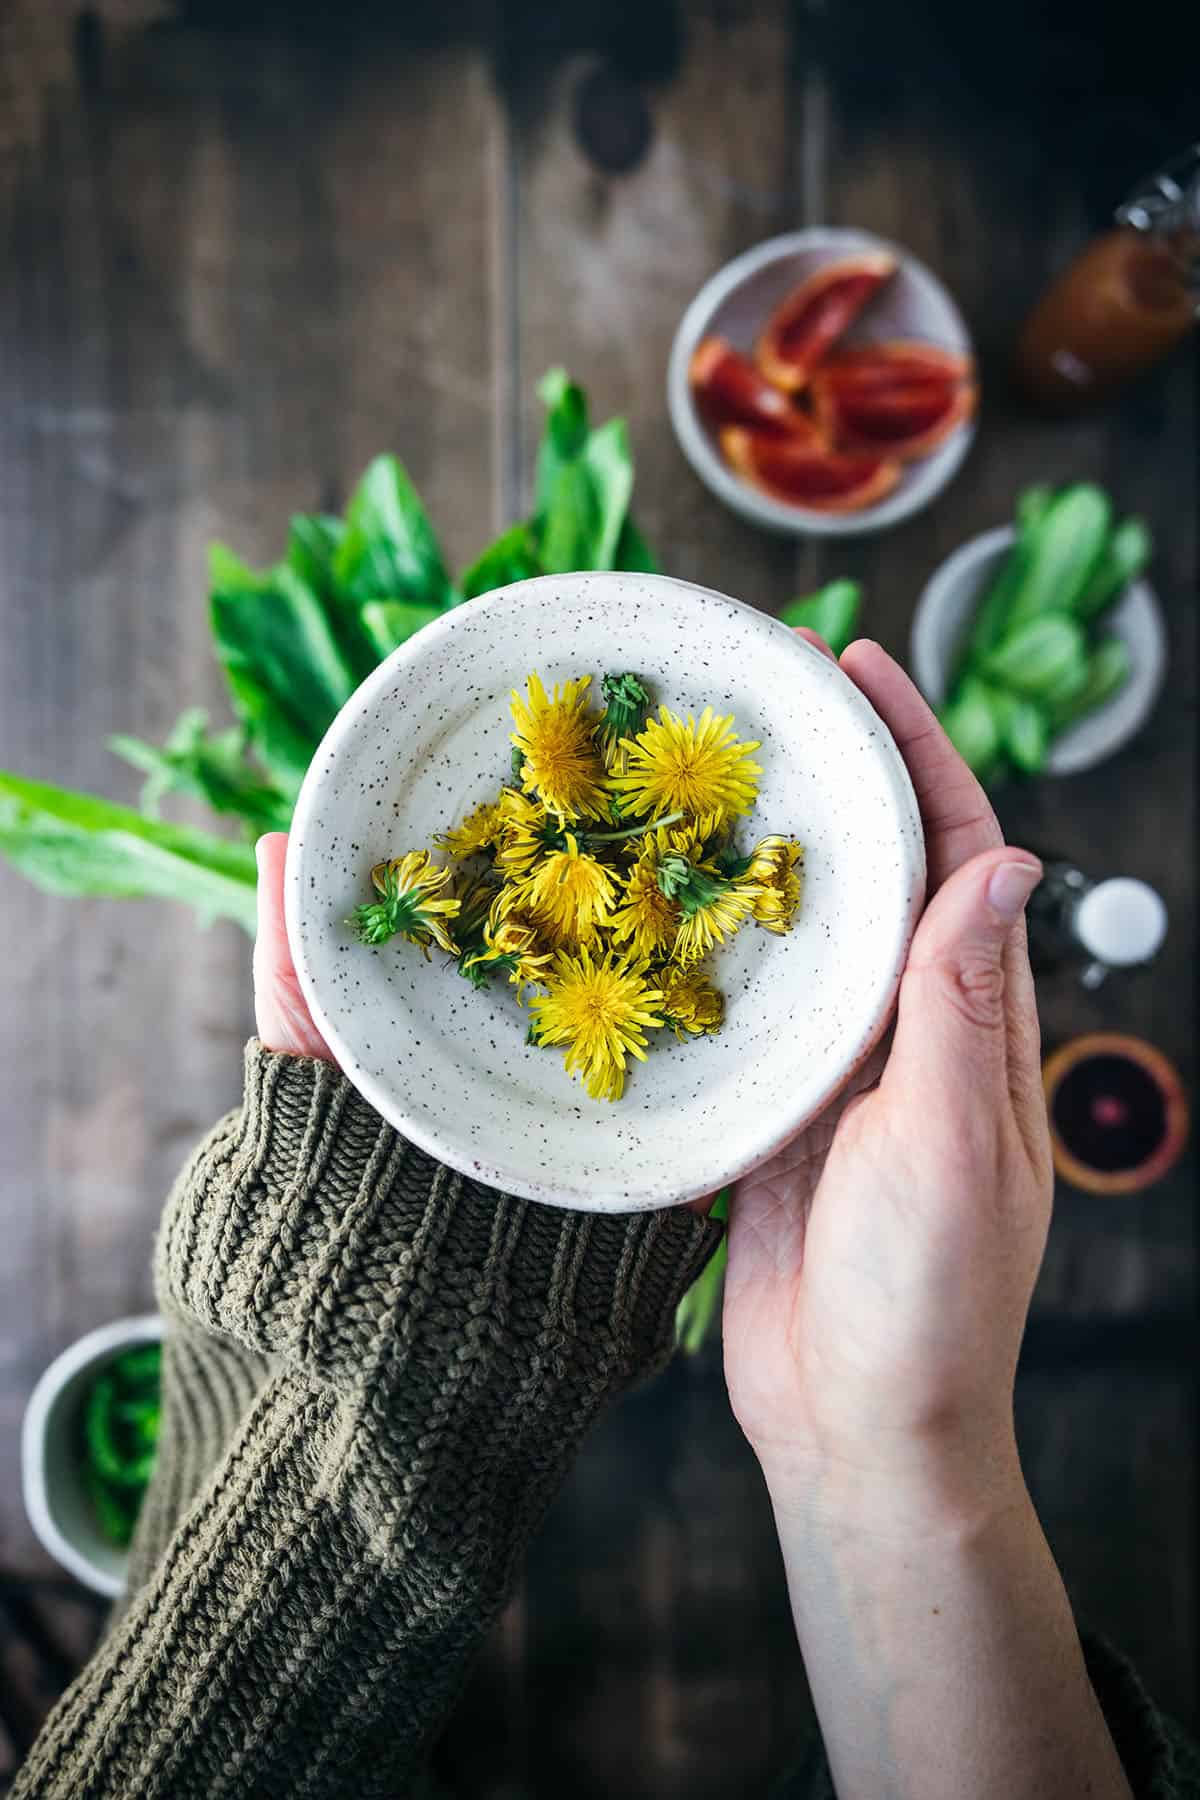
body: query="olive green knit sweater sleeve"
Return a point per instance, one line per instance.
(376, 1374)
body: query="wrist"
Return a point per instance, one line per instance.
(896, 1490)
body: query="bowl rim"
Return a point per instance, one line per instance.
(431, 1139)
(96, 1346)
(929, 674)
(694, 441)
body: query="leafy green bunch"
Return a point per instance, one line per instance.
(295, 641)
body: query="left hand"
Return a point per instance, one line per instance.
(280, 1009)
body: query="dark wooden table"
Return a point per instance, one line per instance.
(239, 260)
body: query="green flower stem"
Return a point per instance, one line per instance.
(615, 837)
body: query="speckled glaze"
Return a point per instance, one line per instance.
(426, 738)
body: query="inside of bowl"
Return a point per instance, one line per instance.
(67, 1500)
(427, 739)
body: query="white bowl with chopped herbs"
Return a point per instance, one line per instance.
(671, 848)
(1041, 644)
(88, 1441)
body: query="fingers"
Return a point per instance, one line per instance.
(1025, 1050)
(271, 949)
(815, 639)
(959, 822)
(953, 1026)
(280, 1010)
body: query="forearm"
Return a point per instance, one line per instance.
(430, 1354)
(939, 1643)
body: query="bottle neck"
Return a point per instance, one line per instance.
(1165, 212)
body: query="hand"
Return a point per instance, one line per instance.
(280, 1009)
(880, 1270)
(880, 1267)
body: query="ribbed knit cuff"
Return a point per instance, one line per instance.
(307, 1227)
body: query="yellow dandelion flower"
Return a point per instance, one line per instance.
(700, 769)
(689, 1001)
(511, 946)
(526, 832)
(478, 831)
(646, 920)
(713, 921)
(561, 763)
(568, 893)
(713, 906)
(776, 869)
(600, 1010)
(410, 905)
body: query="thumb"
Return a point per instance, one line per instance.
(951, 1026)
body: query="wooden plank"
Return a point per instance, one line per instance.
(1109, 1454)
(946, 155)
(659, 1656)
(239, 266)
(606, 264)
(953, 182)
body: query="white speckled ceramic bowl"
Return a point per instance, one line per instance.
(737, 302)
(945, 611)
(426, 738)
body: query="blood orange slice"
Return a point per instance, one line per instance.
(807, 475)
(729, 390)
(896, 361)
(907, 421)
(811, 320)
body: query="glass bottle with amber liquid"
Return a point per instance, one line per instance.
(1125, 302)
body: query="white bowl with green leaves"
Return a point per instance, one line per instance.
(1041, 645)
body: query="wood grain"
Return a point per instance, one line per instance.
(242, 259)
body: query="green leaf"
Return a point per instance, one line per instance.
(72, 843)
(970, 723)
(588, 499)
(390, 623)
(313, 539)
(513, 557)
(287, 673)
(1035, 658)
(609, 461)
(1024, 732)
(633, 552)
(1125, 556)
(1063, 549)
(215, 768)
(565, 431)
(389, 550)
(832, 612)
(313, 543)
(700, 1305)
(1033, 505)
(1108, 669)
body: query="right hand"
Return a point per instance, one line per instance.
(881, 1265)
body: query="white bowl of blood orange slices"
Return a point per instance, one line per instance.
(823, 383)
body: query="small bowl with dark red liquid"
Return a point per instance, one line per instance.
(1118, 1113)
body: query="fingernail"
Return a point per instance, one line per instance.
(1010, 887)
